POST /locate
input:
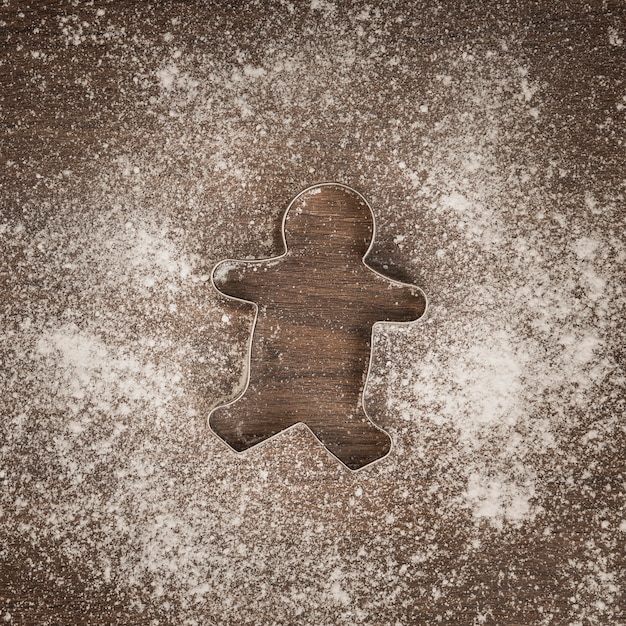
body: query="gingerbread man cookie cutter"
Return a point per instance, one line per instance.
(309, 353)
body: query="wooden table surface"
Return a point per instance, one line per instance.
(143, 142)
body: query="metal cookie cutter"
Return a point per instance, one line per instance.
(316, 306)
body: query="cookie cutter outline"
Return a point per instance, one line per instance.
(248, 361)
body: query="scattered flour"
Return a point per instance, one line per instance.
(503, 495)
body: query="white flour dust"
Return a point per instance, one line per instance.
(496, 188)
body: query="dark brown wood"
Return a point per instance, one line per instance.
(518, 105)
(317, 305)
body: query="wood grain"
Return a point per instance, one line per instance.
(368, 92)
